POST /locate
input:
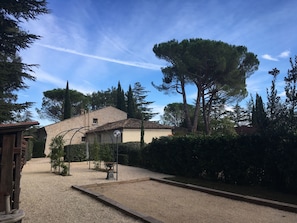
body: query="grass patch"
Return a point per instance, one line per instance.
(254, 191)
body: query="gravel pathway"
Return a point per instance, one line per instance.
(47, 197)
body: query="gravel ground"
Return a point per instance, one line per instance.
(173, 204)
(47, 197)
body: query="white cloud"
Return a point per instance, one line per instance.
(42, 76)
(128, 63)
(284, 54)
(268, 57)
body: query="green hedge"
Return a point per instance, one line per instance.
(129, 153)
(97, 152)
(38, 149)
(133, 153)
(249, 160)
(75, 153)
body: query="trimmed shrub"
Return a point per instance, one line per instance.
(123, 159)
(248, 160)
(75, 153)
(38, 149)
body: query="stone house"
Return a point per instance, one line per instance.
(130, 130)
(73, 129)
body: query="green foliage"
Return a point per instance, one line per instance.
(106, 152)
(95, 156)
(14, 74)
(57, 155)
(291, 96)
(222, 126)
(53, 104)
(279, 118)
(101, 99)
(248, 160)
(75, 153)
(38, 149)
(131, 107)
(98, 153)
(133, 152)
(259, 118)
(123, 159)
(240, 116)
(101, 152)
(67, 103)
(217, 69)
(121, 104)
(65, 169)
(174, 114)
(142, 105)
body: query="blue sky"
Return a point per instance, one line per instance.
(96, 43)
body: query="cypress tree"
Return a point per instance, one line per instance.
(67, 103)
(259, 115)
(142, 135)
(120, 98)
(131, 109)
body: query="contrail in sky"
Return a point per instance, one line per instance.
(127, 63)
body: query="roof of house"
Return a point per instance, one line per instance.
(20, 126)
(130, 123)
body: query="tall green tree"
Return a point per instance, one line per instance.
(13, 72)
(131, 107)
(144, 111)
(52, 107)
(174, 114)
(273, 104)
(259, 117)
(276, 109)
(102, 98)
(291, 95)
(240, 116)
(121, 104)
(291, 86)
(217, 69)
(67, 103)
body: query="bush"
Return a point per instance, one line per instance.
(249, 160)
(133, 152)
(38, 149)
(75, 153)
(123, 159)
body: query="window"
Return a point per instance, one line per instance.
(83, 139)
(95, 120)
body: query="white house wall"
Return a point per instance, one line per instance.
(69, 128)
(128, 135)
(133, 135)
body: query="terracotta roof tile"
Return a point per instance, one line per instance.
(130, 123)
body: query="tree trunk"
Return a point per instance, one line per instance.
(197, 109)
(186, 110)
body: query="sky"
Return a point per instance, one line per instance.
(94, 44)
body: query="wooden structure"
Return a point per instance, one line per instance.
(12, 158)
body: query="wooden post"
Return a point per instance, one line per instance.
(11, 163)
(6, 187)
